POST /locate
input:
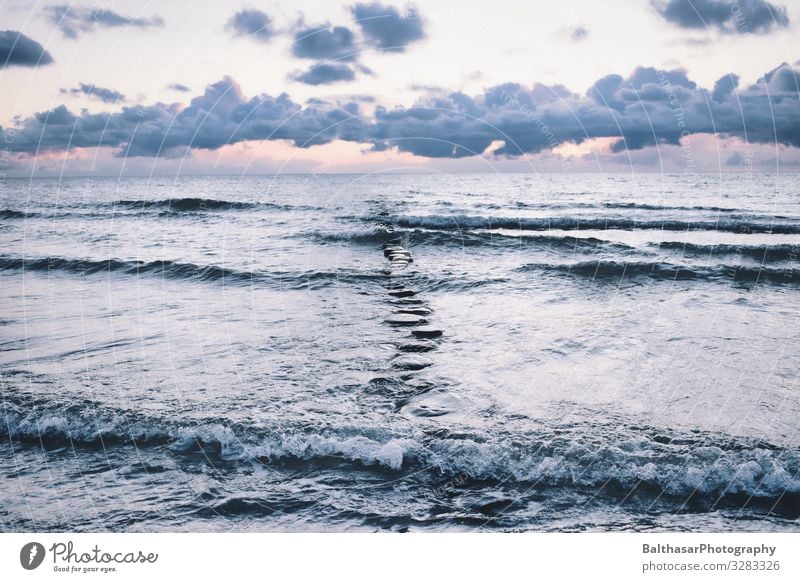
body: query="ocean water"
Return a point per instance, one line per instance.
(617, 352)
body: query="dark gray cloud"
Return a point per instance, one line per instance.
(74, 20)
(334, 43)
(648, 107)
(101, 93)
(180, 87)
(728, 16)
(221, 115)
(385, 28)
(16, 49)
(724, 87)
(253, 23)
(783, 78)
(326, 73)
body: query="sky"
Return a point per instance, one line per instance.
(207, 87)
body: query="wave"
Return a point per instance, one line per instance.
(495, 239)
(373, 235)
(185, 204)
(766, 252)
(205, 204)
(659, 207)
(173, 270)
(615, 205)
(460, 222)
(609, 269)
(168, 269)
(715, 466)
(9, 214)
(166, 207)
(467, 239)
(188, 271)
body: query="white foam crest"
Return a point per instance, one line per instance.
(389, 454)
(674, 469)
(708, 470)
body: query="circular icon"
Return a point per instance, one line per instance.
(31, 555)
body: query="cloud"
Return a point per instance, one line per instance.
(645, 108)
(577, 33)
(335, 43)
(253, 23)
(220, 116)
(385, 28)
(16, 49)
(728, 16)
(73, 21)
(181, 88)
(104, 95)
(724, 87)
(326, 73)
(782, 79)
(735, 159)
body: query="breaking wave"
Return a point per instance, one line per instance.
(716, 466)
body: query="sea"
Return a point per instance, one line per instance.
(400, 352)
